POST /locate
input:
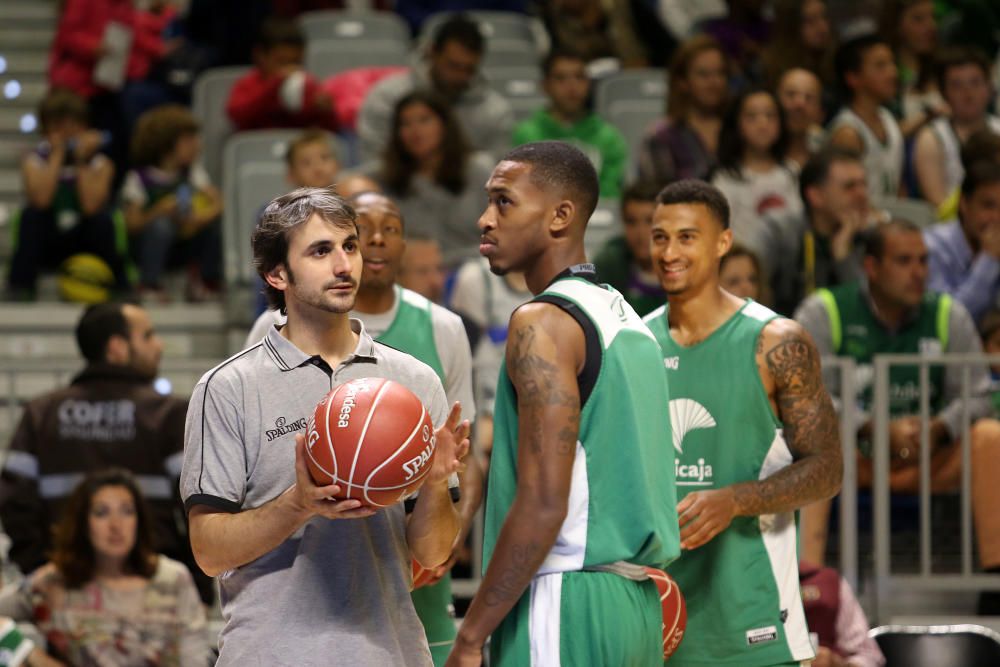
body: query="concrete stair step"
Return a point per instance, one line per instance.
(13, 150)
(15, 36)
(18, 63)
(43, 11)
(14, 120)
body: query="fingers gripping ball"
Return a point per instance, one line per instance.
(674, 610)
(373, 438)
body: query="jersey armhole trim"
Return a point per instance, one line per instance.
(593, 348)
(833, 314)
(214, 502)
(943, 315)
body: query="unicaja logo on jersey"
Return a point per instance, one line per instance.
(687, 415)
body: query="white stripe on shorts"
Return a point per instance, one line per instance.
(543, 619)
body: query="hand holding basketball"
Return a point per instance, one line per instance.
(452, 446)
(704, 514)
(317, 500)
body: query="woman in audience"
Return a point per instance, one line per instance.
(107, 598)
(683, 145)
(911, 30)
(740, 274)
(801, 37)
(751, 171)
(429, 170)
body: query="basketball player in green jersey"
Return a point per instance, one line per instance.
(580, 492)
(408, 322)
(754, 439)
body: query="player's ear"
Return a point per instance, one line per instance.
(562, 217)
(725, 242)
(277, 277)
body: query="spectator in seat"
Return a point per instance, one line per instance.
(910, 29)
(965, 253)
(311, 160)
(800, 94)
(684, 144)
(964, 79)
(823, 247)
(625, 262)
(740, 274)
(752, 173)
(567, 118)
(451, 70)
(892, 311)
(278, 92)
(836, 619)
(431, 173)
(868, 78)
(67, 182)
(171, 207)
(422, 268)
(801, 38)
(110, 415)
(107, 597)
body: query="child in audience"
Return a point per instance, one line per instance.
(312, 161)
(67, 182)
(752, 173)
(279, 92)
(171, 207)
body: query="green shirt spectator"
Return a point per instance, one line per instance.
(567, 119)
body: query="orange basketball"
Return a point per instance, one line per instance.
(421, 575)
(674, 610)
(373, 438)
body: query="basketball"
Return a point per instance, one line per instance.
(674, 610)
(85, 278)
(373, 438)
(421, 575)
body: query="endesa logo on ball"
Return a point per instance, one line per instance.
(350, 401)
(413, 466)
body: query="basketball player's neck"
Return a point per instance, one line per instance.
(375, 300)
(867, 108)
(319, 332)
(696, 313)
(550, 264)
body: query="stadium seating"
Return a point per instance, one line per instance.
(938, 645)
(917, 211)
(625, 89)
(325, 57)
(521, 86)
(353, 28)
(208, 103)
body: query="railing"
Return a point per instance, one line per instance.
(926, 579)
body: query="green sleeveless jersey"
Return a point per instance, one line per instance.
(622, 502)
(412, 330)
(742, 588)
(858, 335)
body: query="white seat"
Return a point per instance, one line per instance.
(325, 57)
(348, 25)
(208, 104)
(604, 224)
(623, 89)
(917, 211)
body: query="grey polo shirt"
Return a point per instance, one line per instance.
(335, 592)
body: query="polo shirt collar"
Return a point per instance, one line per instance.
(286, 356)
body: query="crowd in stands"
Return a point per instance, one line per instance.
(815, 122)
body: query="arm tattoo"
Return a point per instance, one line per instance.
(539, 389)
(810, 430)
(512, 580)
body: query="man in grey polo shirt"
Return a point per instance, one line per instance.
(299, 585)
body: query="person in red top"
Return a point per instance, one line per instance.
(79, 42)
(278, 92)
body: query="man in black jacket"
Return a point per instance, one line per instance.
(109, 415)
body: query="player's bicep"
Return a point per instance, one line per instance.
(542, 365)
(804, 406)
